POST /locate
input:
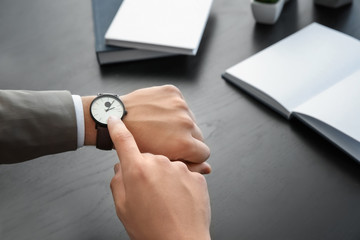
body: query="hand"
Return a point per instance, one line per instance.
(161, 123)
(154, 197)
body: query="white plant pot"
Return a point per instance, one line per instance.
(267, 13)
(332, 3)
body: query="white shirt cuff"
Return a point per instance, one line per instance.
(80, 120)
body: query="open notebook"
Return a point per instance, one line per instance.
(313, 75)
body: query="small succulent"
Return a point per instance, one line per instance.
(267, 1)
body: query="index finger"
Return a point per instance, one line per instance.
(125, 145)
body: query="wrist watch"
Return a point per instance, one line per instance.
(101, 108)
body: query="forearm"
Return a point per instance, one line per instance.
(35, 123)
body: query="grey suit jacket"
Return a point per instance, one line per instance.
(36, 123)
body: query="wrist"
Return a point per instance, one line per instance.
(90, 130)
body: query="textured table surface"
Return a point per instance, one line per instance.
(272, 178)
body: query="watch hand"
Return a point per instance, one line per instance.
(110, 106)
(106, 110)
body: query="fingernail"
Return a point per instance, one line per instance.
(206, 171)
(111, 119)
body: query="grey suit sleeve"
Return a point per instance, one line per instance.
(36, 123)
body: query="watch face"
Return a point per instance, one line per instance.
(105, 106)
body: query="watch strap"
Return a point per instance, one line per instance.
(103, 139)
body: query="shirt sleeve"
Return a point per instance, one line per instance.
(79, 112)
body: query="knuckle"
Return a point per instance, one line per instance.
(180, 103)
(114, 182)
(180, 165)
(139, 173)
(161, 160)
(147, 155)
(200, 178)
(186, 122)
(171, 88)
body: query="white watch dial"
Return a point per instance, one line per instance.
(105, 106)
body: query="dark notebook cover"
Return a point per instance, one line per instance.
(103, 14)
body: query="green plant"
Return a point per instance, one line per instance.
(267, 1)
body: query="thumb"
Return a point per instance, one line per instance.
(118, 189)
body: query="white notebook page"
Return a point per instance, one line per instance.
(338, 106)
(301, 65)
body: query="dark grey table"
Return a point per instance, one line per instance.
(272, 179)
